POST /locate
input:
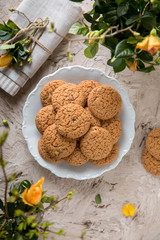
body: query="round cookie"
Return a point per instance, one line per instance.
(56, 144)
(76, 158)
(67, 93)
(114, 127)
(44, 118)
(153, 143)
(104, 102)
(44, 154)
(150, 163)
(72, 121)
(48, 89)
(87, 86)
(109, 159)
(97, 143)
(94, 121)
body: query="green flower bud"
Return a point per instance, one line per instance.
(153, 32)
(11, 9)
(30, 219)
(5, 123)
(29, 60)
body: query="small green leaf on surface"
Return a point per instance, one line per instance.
(98, 199)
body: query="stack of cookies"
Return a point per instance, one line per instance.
(151, 154)
(79, 123)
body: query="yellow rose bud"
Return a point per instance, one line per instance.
(150, 44)
(128, 210)
(5, 60)
(33, 195)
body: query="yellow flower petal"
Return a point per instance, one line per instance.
(128, 210)
(24, 194)
(5, 60)
(40, 182)
(143, 45)
(33, 195)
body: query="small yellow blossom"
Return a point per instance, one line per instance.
(33, 195)
(5, 60)
(150, 44)
(128, 210)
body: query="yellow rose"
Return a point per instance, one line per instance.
(33, 195)
(150, 44)
(5, 60)
(128, 210)
(132, 65)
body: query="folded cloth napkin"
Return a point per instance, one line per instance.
(62, 13)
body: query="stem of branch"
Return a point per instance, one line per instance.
(6, 186)
(145, 7)
(3, 224)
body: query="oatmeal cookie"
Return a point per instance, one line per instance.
(104, 102)
(150, 163)
(109, 159)
(87, 86)
(48, 89)
(114, 126)
(94, 121)
(56, 144)
(76, 158)
(153, 143)
(72, 121)
(44, 154)
(44, 118)
(67, 93)
(97, 143)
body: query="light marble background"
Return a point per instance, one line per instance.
(129, 182)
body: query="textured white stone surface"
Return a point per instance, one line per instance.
(129, 182)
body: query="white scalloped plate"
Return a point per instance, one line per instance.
(76, 74)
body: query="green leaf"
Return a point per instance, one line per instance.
(12, 25)
(111, 16)
(25, 184)
(17, 236)
(145, 56)
(91, 51)
(2, 33)
(147, 69)
(118, 64)
(120, 68)
(148, 21)
(140, 64)
(1, 205)
(6, 37)
(75, 27)
(122, 9)
(98, 199)
(132, 19)
(111, 43)
(60, 232)
(123, 50)
(88, 17)
(119, 1)
(11, 209)
(132, 40)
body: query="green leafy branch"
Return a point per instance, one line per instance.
(18, 220)
(133, 20)
(20, 50)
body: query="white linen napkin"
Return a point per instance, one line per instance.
(62, 13)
